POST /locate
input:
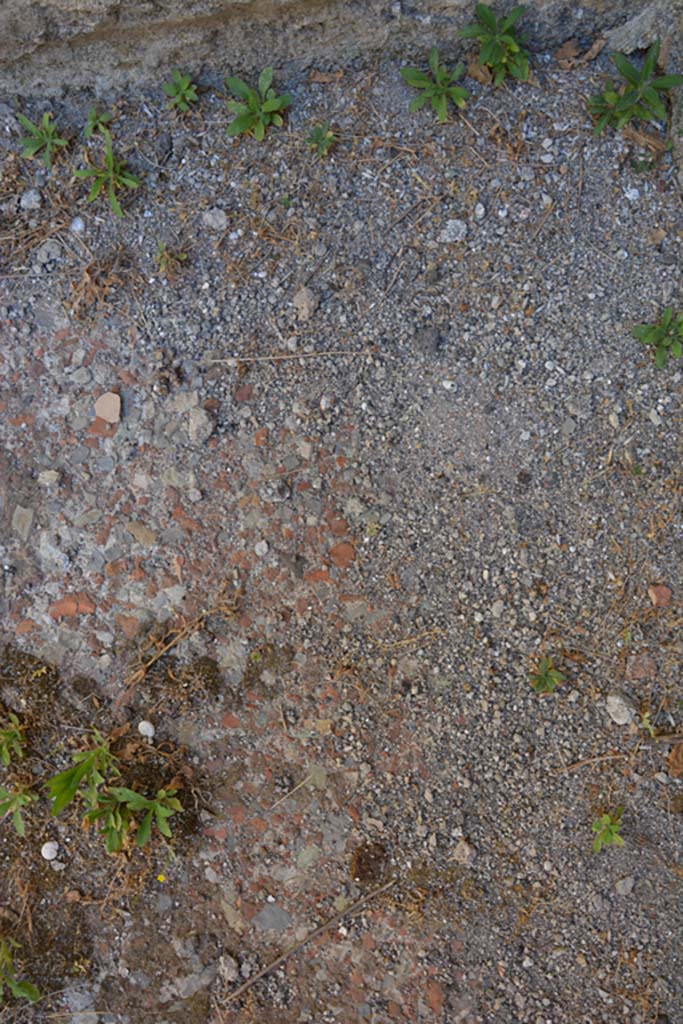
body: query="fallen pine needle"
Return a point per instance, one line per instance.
(295, 355)
(245, 986)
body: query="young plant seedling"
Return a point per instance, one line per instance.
(11, 740)
(437, 88)
(640, 97)
(501, 49)
(181, 91)
(112, 175)
(8, 978)
(666, 336)
(607, 830)
(97, 122)
(322, 139)
(158, 810)
(546, 678)
(258, 110)
(169, 262)
(41, 136)
(89, 767)
(13, 803)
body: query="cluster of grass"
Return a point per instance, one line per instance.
(256, 110)
(118, 811)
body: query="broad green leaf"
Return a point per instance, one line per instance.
(145, 830)
(434, 60)
(626, 68)
(22, 989)
(650, 61)
(667, 82)
(486, 16)
(471, 32)
(661, 358)
(513, 17)
(259, 131)
(239, 87)
(243, 123)
(419, 102)
(265, 80)
(440, 104)
(416, 78)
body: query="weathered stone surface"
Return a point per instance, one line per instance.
(109, 43)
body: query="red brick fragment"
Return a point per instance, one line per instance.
(660, 595)
(72, 604)
(343, 554)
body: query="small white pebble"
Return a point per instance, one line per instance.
(77, 226)
(49, 851)
(146, 729)
(261, 548)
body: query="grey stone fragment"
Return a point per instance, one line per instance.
(454, 231)
(200, 425)
(215, 219)
(272, 918)
(22, 521)
(620, 709)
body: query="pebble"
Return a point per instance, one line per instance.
(22, 521)
(31, 200)
(497, 609)
(306, 302)
(108, 407)
(479, 211)
(272, 918)
(200, 426)
(454, 231)
(215, 219)
(620, 709)
(49, 477)
(77, 226)
(228, 969)
(261, 548)
(625, 885)
(49, 851)
(146, 729)
(464, 852)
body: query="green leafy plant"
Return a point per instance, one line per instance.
(546, 678)
(666, 336)
(322, 139)
(8, 978)
(181, 91)
(607, 828)
(501, 49)
(158, 810)
(646, 724)
(97, 122)
(11, 740)
(256, 110)
(13, 803)
(437, 88)
(169, 261)
(111, 175)
(640, 97)
(41, 136)
(89, 768)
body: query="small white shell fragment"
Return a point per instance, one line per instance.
(49, 851)
(146, 729)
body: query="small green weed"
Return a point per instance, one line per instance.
(89, 767)
(501, 49)
(97, 122)
(607, 828)
(164, 805)
(666, 336)
(181, 91)
(646, 724)
(8, 978)
(11, 740)
(13, 803)
(169, 261)
(641, 97)
(112, 175)
(546, 678)
(41, 136)
(258, 110)
(438, 88)
(322, 139)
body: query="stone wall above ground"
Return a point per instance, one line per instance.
(48, 44)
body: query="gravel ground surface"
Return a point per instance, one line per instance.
(381, 442)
